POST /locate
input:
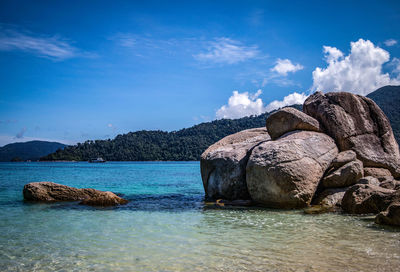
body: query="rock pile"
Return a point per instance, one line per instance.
(339, 153)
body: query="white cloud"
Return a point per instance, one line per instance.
(291, 99)
(284, 66)
(246, 104)
(395, 64)
(359, 72)
(332, 54)
(240, 105)
(227, 51)
(390, 42)
(52, 47)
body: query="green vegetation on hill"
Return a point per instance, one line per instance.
(183, 145)
(32, 150)
(388, 99)
(189, 143)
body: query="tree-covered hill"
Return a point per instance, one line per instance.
(183, 145)
(32, 150)
(388, 99)
(189, 143)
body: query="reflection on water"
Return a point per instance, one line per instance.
(172, 230)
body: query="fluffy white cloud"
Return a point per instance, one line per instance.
(390, 42)
(291, 99)
(227, 51)
(359, 72)
(246, 104)
(332, 54)
(240, 105)
(284, 66)
(52, 47)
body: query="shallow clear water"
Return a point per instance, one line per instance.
(167, 227)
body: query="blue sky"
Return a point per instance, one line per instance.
(78, 70)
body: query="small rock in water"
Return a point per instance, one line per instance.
(389, 217)
(53, 192)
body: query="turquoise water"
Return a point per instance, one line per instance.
(167, 227)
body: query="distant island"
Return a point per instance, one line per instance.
(32, 150)
(189, 143)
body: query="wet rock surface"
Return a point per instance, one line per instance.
(53, 192)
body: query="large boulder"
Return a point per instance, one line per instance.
(285, 173)
(345, 176)
(367, 198)
(289, 119)
(356, 123)
(223, 164)
(53, 192)
(391, 216)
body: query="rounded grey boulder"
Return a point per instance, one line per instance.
(285, 173)
(223, 164)
(356, 123)
(289, 119)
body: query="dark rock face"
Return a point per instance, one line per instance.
(356, 123)
(369, 180)
(289, 119)
(285, 173)
(366, 198)
(53, 192)
(391, 216)
(223, 164)
(390, 184)
(345, 176)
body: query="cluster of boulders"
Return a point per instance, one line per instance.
(54, 192)
(339, 153)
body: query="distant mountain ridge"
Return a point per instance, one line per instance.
(188, 144)
(32, 150)
(388, 99)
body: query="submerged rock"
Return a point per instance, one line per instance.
(53, 192)
(285, 173)
(391, 216)
(289, 119)
(357, 123)
(345, 176)
(223, 164)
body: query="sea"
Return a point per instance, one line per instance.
(168, 226)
